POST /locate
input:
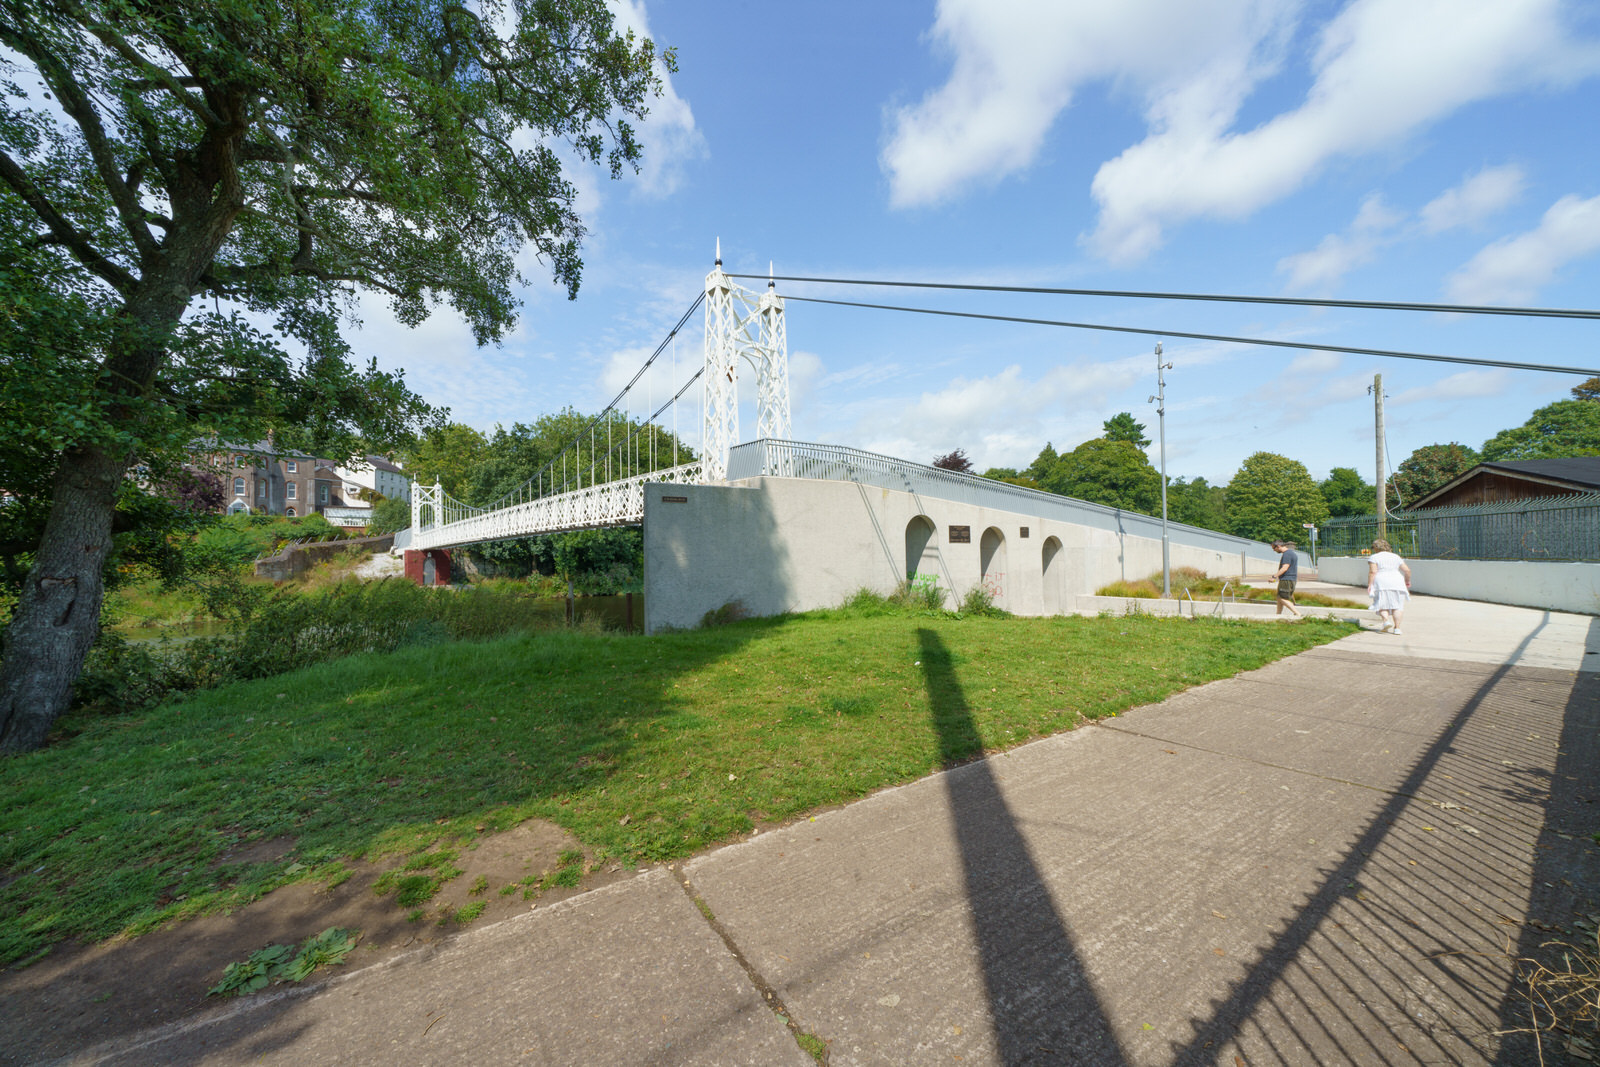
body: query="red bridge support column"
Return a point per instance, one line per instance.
(419, 571)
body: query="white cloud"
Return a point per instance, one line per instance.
(1511, 270)
(1004, 419)
(1314, 363)
(668, 135)
(1383, 69)
(1462, 386)
(1324, 266)
(1485, 193)
(1017, 63)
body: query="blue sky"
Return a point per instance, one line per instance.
(1415, 150)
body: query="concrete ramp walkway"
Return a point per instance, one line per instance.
(1331, 860)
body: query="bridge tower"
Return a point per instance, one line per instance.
(741, 324)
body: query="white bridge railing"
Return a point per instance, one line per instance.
(618, 503)
(799, 459)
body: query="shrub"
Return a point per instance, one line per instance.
(1144, 588)
(979, 601)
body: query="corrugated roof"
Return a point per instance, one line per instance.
(1579, 470)
(1580, 473)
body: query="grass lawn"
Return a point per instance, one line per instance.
(644, 748)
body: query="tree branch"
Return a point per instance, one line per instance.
(75, 102)
(62, 231)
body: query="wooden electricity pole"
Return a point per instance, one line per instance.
(1383, 490)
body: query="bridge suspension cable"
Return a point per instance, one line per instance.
(1153, 332)
(533, 487)
(1378, 305)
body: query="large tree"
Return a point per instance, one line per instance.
(1198, 503)
(1272, 496)
(1347, 493)
(1556, 431)
(279, 156)
(1107, 472)
(1122, 427)
(1425, 470)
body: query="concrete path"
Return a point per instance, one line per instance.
(1334, 859)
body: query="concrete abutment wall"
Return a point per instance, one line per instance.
(785, 544)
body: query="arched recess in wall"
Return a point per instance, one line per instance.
(430, 570)
(1050, 564)
(922, 550)
(992, 559)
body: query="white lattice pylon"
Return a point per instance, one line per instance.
(738, 324)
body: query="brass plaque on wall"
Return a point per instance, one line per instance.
(1024, 531)
(961, 535)
(674, 500)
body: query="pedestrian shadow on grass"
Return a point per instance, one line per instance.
(1044, 1007)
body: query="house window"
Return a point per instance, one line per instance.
(289, 512)
(293, 490)
(322, 494)
(238, 487)
(238, 461)
(261, 490)
(292, 468)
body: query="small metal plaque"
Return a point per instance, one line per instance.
(961, 535)
(674, 500)
(1024, 532)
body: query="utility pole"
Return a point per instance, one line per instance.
(1160, 399)
(1383, 490)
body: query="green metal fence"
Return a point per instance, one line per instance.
(1548, 528)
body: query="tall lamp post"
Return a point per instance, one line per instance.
(1160, 400)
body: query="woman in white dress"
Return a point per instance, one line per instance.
(1388, 584)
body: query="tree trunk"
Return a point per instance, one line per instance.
(58, 616)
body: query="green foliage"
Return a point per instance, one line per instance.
(281, 157)
(450, 455)
(1011, 475)
(1425, 470)
(420, 880)
(1556, 431)
(1347, 494)
(1107, 472)
(389, 516)
(979, 600)
(280, 963)
(1587, 390)
(1271, 496)
(1198, 503)
(1042, 464)
(1121, 427)
(274, 631)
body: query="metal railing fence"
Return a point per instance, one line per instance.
(799, 459)
(1544, 528)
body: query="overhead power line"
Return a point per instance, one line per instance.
(1150, 332)
(1377, 305)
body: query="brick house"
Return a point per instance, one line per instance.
(259, 478)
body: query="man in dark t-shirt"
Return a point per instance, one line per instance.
(1287, 574)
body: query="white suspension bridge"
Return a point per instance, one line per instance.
(608, 489)
(777, 525)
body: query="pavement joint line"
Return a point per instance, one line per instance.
(769, 995)
(1385, 790)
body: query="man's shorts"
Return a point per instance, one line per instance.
(1286, 588)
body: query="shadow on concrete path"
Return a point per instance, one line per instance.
(1045, 1009)
(1303, 965)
